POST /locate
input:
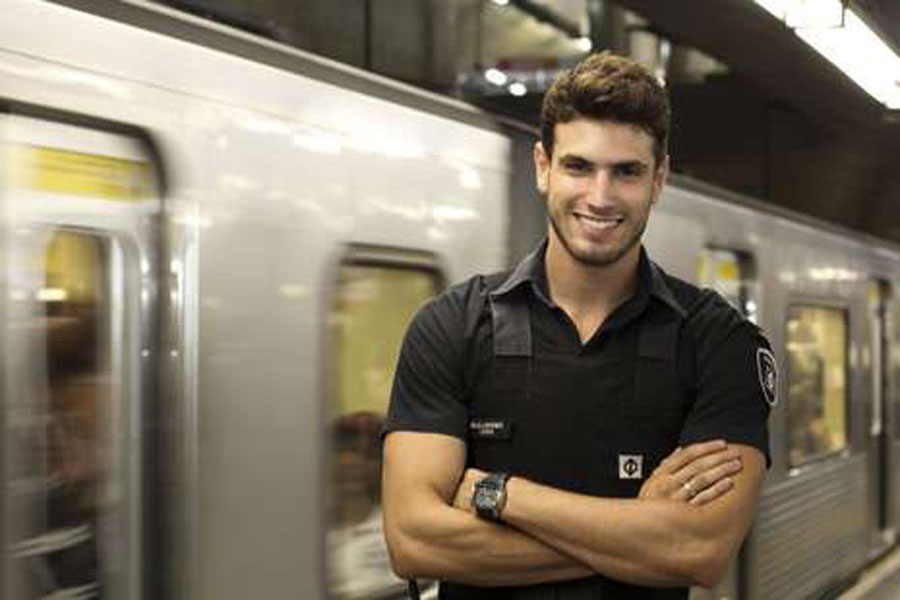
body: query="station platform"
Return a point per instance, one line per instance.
(879, 582)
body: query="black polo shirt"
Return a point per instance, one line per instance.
(574, 415)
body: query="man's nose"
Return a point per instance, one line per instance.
(601, 188)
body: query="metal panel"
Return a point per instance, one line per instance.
(810, 532)
(893, 483)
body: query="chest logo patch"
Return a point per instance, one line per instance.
(768, 375)
(631, 466)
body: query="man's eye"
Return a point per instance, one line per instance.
(630, 171)
(577, 166)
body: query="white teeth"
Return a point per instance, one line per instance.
(610, 220)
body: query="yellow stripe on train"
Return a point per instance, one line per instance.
(57, 171)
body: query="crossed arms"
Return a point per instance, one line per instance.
(662, 538)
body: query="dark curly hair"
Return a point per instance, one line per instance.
(605, 86)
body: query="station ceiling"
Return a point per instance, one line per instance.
(828, 149)
(762, 50)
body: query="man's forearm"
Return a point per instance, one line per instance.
(634, 541)
(644, 542)
(454, 545)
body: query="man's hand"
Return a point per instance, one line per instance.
(697, 474)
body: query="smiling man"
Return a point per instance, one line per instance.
(585, 425)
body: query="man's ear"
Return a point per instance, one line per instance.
(541, 167)
(659, 179)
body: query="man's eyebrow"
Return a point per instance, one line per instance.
(574, 158)
(630, 162)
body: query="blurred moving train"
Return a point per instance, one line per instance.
(211, 245)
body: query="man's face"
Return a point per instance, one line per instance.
(599, 184)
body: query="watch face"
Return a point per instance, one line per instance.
(488, 497)
(486, 502)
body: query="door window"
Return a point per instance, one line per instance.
(373, 304)
(816, 352)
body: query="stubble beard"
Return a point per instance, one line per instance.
(603, 258)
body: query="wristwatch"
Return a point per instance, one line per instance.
(490, 496)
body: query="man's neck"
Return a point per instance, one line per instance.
(589, 293)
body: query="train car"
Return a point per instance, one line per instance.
(827, 300)
(212, 244)
(208, 264)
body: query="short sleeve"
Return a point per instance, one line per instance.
(428, 393)
(735, 383)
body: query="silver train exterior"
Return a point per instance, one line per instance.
(190, 216)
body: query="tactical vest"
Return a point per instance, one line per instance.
(606, 447)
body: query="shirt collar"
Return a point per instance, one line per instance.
(651, 280)
(529, 270)
(659, 288)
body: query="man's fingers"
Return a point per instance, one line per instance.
(708, 462)
(682, 457)
(712, 492)
(709, 477)
(690, 471)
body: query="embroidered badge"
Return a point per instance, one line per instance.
(768, 375)
(631, 466)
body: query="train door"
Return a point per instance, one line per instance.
(376, 295)
(882, 523)
(78, 260)
(732, 273)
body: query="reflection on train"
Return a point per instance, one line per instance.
(61, 439)
(208, 269)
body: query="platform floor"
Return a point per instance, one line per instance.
(880, 582)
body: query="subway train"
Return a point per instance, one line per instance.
(211, 245)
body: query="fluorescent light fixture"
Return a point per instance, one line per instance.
(777, 8)
(496, 76)
(861, 55)
(847, 42)
(803, 14)
(517, 89)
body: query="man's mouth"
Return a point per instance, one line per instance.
(595, 222)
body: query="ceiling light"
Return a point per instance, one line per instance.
(584, 44)
(501, 2)
(849, 44)
(517, 89)
(861, 55)
(496, 76)
(801, 14)
(777, 8)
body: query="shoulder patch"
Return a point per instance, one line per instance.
(767, 370)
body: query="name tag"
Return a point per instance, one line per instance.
(490, 429)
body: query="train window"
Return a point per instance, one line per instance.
(732, 274)
(372, 306)
(65, 484)
(816, 344)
